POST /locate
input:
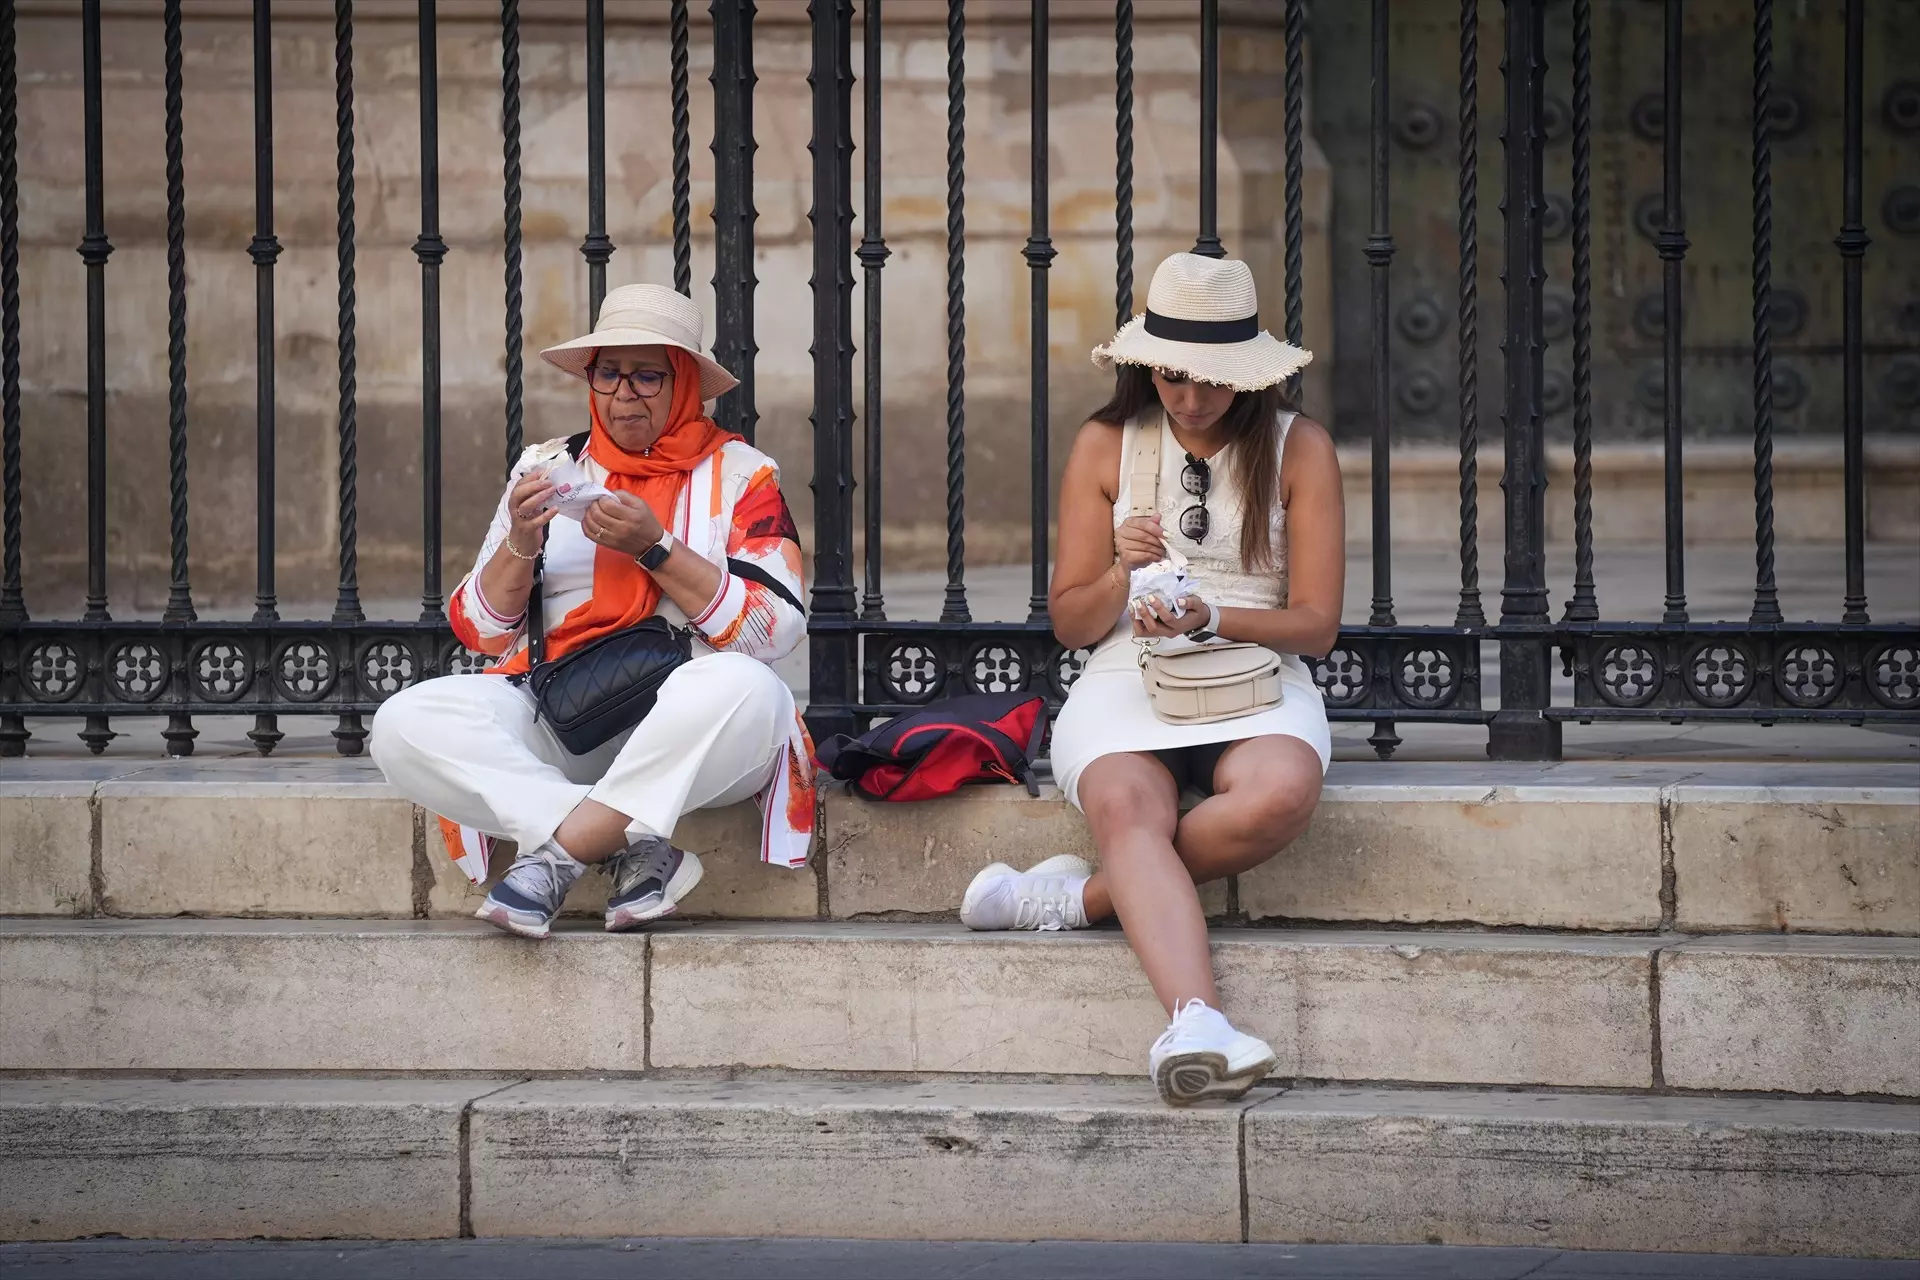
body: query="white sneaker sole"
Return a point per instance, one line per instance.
(504, 917)
(1205, 1076)
(684, 881)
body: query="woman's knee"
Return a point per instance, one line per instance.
(1126, 793)
(1274, 782)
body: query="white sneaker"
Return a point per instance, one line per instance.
(1046, 897)
(1200, 1057)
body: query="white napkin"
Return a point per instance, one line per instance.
(573, 490)
(1166, 580)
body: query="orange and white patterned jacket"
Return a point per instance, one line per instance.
(732, 512)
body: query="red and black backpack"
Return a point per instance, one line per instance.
(981, 737)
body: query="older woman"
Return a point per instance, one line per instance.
(1198, 459)
(693, 529)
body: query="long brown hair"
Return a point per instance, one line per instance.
(1252, 421)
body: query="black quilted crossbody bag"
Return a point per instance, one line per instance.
(604, 688)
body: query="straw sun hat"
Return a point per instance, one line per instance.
(645, 315)
(1203, 319)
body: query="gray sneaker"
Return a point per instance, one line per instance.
(649, 879)
(528, 897)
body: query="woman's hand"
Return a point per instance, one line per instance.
(622, 523)
(523, 508)
(1153, 620)
(1140, 541)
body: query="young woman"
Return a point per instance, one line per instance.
(1249, 493)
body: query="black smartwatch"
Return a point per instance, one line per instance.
(1203, 634)
(656, 555)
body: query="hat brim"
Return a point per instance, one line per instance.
(1252, 365)
(573, 357)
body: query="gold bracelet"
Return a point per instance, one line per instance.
(1119, 574)
(515, 551)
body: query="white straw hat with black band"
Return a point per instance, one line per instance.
(1203, 319)
(645, 315)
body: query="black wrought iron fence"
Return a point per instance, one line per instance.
(865, 663)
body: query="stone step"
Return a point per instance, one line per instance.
(1804, 1014)
(1814, 848)
(402, 1158)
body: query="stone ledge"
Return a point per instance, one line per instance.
(1799, 1014)
(227, 1159)
(1822, 848)
(1485, 1008)
(1584, 1172)
(310, 995)
(922, 1162)
(382, 1158)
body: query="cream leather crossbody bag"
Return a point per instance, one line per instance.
(1197, 683)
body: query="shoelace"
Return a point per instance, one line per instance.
(1047, 912)
(1183, 1013)
(544, 869)
(633, 866)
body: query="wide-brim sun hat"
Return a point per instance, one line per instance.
(645, 315)
(1203, 320)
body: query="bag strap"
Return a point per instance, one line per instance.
(1146, 468)
(536, 608)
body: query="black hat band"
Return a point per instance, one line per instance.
(1204, 331)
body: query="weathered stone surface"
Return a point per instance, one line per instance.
(1585, 1172)
(917, 859)
(1478, 1008)
(899, 997)
(223, 1159)
(1468, 1008)
(1798, 1014)
(296, 995)
(940, 1160)
(737, 885)
(1816, 859)
(255, 848)
(46, 837)
(1484, 854)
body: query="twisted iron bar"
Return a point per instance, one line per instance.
(597, 248)
(682, 154)
(1766, 597)
(954, 608)
(873, 254)
(510, 180)
(347, 607)
(1123, 161)
(180, 593)
(1852, 243)
(1295, 175)
(1583, 605)
(13, 606)
(1470, 612)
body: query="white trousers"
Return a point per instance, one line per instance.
(469, 749)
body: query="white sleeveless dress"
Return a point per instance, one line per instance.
(1107, 712)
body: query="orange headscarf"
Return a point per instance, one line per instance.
(623, 592)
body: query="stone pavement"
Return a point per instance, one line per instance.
(757, 1259)
(1426, 591)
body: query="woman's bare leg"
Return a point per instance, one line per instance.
(593, 832)
(1133, 808)
(1264, 794)
(1265, 791)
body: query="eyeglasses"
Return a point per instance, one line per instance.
(1196, 478)
(645, 383)
(1180, 378)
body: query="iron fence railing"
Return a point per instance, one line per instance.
(864, 663)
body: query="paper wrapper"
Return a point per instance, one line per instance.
(1165, 579)
(573, 490)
